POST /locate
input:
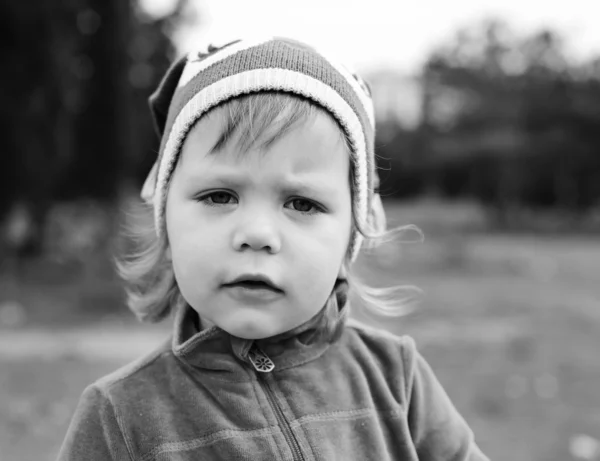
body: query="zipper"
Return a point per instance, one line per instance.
(264, 366)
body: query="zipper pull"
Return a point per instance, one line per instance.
(260, 361)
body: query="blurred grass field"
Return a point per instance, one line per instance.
(509, 323)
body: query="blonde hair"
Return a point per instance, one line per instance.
(257, 120)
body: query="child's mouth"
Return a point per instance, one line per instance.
(254, 285)
(253, 290)
(254, 282)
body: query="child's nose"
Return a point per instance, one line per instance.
(258, 233)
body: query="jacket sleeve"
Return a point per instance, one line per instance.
(438, 431)
(94, 433)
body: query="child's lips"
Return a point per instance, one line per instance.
(253, 293)
(254, 282)
(253, 286)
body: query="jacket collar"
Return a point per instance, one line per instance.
(215, 349)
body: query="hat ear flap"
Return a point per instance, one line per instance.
(377, 220)
(160, 100)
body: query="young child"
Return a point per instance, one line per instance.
(262, 194)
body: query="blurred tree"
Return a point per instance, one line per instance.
(511, 121)
(74, 110)
(32, 112)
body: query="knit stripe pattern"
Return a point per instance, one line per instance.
(271, 64)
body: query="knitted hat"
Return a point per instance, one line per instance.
(200, 81)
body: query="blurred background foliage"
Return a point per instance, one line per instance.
(492, 144)
(74, 110)
(505, 120)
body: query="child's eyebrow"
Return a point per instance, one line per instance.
(286, 186)
(302, 188)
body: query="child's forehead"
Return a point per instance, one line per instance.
(308, 149)
(232, 130)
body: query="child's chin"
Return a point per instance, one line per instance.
(258, 332)
(254, 329)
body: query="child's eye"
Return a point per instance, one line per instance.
(217, 198)
(304, 206)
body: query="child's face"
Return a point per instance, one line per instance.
(283, 213)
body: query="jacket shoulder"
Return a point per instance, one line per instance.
(383, 354)
(385, 340)
(97, 430)
(136, 370)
